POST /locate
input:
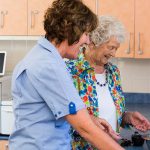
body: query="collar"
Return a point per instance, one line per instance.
(49, 46)
(83, 64)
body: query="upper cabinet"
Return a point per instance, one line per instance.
(25, 17)
(22, 17)
(92, 4)
(36, 9)
(142, 29)
(13, 17)
(134, 14)
(124, 11)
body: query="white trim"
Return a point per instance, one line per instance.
(19, 37)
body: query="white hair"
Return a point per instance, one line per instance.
(108, 27)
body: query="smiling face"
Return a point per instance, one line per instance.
(105, 51)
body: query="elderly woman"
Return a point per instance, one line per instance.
(98, 81)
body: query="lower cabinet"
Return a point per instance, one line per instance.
(4, 145)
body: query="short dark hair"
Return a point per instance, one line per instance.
(68, 20)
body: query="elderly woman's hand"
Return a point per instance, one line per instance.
(137, 120)
(104, 125)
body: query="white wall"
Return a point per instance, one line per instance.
(135, 73)
(16, 50)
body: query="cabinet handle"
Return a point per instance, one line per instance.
(3, 13)
(140, 51)
(32, 21)
(96, 6)
(128, 50)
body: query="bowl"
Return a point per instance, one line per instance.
(137, 139)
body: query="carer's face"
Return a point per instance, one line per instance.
(74, 48)
(106, 51)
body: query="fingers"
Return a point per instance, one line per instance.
(142, 127)
(101, 126)
(116, 136)
(98, 122)
(106, 125)
(140, 122)
(147, 123)
(139, 116)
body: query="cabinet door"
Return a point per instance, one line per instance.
(124, 11)
(3, 145)
(36, 9)
(142, 29)
(13, 17)
(92, 4)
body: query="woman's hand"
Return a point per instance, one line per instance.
(138, 121)
(104, 125)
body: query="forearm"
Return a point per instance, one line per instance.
(89, 131)
(101, 140)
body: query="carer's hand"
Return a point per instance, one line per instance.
(139, 121)
(104, 125)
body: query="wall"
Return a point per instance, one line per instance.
(135, 73)
(135, 79)
(16, 50)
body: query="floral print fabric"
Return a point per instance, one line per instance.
(84, 80)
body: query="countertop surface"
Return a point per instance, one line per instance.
(145, 110)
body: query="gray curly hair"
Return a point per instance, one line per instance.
(108, 27)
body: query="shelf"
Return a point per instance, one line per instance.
(16, 38)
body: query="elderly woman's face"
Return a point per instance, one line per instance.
(105, 51)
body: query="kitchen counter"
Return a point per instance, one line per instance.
(145, 110)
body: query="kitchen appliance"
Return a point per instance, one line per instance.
(6, 110)
(6, 118)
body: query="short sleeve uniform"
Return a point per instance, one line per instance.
(43, 93)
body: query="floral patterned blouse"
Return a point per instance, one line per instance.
(84, 80)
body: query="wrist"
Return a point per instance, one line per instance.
(127, 117)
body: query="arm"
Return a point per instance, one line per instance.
(137, 120)
(105, 126)
(93, 134)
